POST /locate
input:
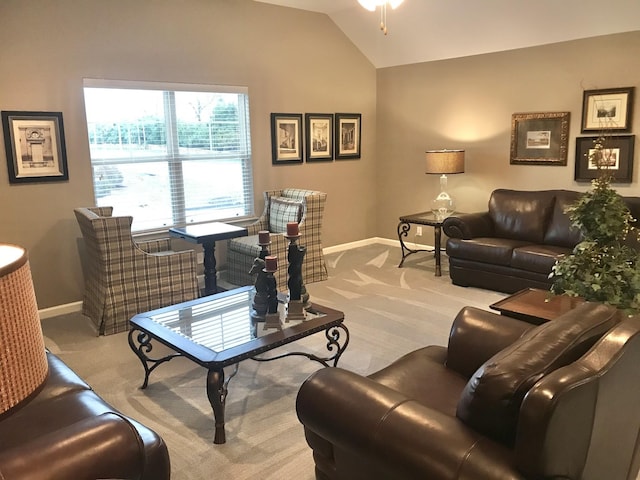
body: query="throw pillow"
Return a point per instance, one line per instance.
(282, 211)
(490, 402)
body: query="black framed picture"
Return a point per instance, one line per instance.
(615, 155)
(607, 109)
(35, 146)
(347, 138)
(539, 138)
(286, 138)
(319, 135)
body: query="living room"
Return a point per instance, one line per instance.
(458, 103)
(291, 61)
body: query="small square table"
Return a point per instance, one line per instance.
(207, 234)
(536, 306)
(422, 218)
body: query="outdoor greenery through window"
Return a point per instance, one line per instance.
(170, 154)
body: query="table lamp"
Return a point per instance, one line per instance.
(23, 361)
(443, 162)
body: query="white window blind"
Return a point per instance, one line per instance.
(170, 154)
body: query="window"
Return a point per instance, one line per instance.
(170, 154)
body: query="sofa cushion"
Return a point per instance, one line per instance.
(560, 232)
(487, 250)
(490, 401)
(537, 258)
(282, 211)
(520, 215)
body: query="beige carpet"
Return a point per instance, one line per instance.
(389, 312)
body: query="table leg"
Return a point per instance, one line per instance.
(217, 395)
(210, 274)
(437, 240)
(403, 231)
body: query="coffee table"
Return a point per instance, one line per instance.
(217, 332)
(207, 234)
(536, 306)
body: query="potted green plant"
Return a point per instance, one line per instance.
(602, 267)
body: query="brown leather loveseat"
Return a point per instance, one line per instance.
(505, 400)
(515, 243)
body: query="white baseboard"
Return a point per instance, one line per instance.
(77, 306)
(60, 310)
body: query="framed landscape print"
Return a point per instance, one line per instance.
(319, 128)
(539, 138)
(35, 146)
(347, 136)
(616, 156)
(286, 138)
(607, 110)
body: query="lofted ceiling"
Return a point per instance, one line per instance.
(427, 30)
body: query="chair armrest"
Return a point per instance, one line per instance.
(477, 335)
(391, 435)
(467, 226)
(155, 246)
(104, 446)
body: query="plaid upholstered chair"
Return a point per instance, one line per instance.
(280, 207)
(124, 277)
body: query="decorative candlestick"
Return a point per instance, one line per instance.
(272, 318)
(260, 302)
(264, 240)
(296, 304)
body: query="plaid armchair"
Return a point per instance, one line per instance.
(280, 207)
(124, 277)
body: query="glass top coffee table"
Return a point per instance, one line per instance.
(218, 331)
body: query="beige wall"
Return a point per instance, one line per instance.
(468, 102)
(292, 61)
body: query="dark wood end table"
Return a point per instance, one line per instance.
(207, 234)
(423, 218)
(536, 306)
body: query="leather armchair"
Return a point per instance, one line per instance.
(504, 400)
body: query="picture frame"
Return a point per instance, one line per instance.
(607, 109)
(286, 138)
(619, 152)
(35, 146)
(539, 138)
(319, 137)
(348, 128)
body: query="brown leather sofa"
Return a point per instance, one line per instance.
(64, 431)
(515, 243)
(504, 400)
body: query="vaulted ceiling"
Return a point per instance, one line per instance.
(427, 30)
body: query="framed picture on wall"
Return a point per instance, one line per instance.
(319, 128)
(286, 138)
(348, 128)
(616, 155)
(539, 138)
(34, 142)
(608, 109)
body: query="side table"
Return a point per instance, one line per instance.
(423, 218)
(207, 234)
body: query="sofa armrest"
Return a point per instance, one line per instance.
(390, 436)
(104, 446)
(477, 335)
(469, 225)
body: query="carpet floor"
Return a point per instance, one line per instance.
(389, 311)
